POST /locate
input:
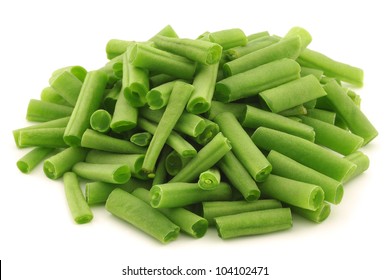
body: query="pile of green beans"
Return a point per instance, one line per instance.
(227, 130)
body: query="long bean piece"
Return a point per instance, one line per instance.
(105, 172)
(43, 111)
(30, 160)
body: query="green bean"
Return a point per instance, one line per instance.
(294, 111)
(76, 202)
(67, 85)
(252, 46)
(322, 115)
(174, 162)
(55, 166)
(43, 111)
(141, 138)
(141, 215)
(156, 80)
(333, 137)
(207, 157)
(293, 93)
(167, 31)
(253, 223)
(204, 84)
(200, 51)
(243, 147)
(237, 109)
(99, 141)
(179, 194)
(254, 118)
(355, 119)
(306, 71)
(362, 162)
(317, 216)
(302, 33)
(49, 94)
(210, 131)
(228, 38)
(153, 59)
(214, 209)
(297, 193)
(138, 86)
(30, 160)
(111, 97)
(116, 47)
(257, 35)
(90, 98)
(42, 137)
(105, 172)
(158, 97)
(304, 152)
(113, 70)
(177, 101)
(257, 79)
(289, 168)
(188, 222)
(100, 120)
(287, 48)
(239, 177)
(161, 173)
(209, 179)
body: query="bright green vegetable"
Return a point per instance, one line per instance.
(237, 109)
(287, 48)
(42, 137)
(209, 179)
(239, 177)
(116, 47)
(207, 157)
(158, 97)
(304, 152)
(302, 33)
(141, 138)
(355, 119)
(156, 80)
(252, 46)
(213, 209)
(180, 194)
(297, 193)
(111, 97)
(141, 215)
(317, 216)
(285, 167)
(167, 31)
(254, 118)
(322, 115)
(90, 98)
(104, 172)
(174, 162)
(362, 162)
(188, 222)
(210, 131)
(49, 94)
(161, 173)
(293, 93)
(43, 111)
(243, 147)
(228, 38)
(30, 160)
(257, 35)
(77, 205)
(153, 59)
(99, 141)
(177, 101)
(55, 166)
(253, 223)
(306, 71)
(257, 79)
(100, 120)
(294, 111)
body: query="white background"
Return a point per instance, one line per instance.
(38, 239)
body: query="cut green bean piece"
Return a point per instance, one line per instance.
(254, 118)
(209, 179)
(42, 137)
(317, 216)
(204, 85)
(42, 111)
(100, 120)
(141, 215)
(105, 172)
(158, 97)
(153, 59)
(210, 131)
(160, 79)
(362, 162)
(322, 115)
(237, 109)
(113, 70)
(67, 85)
(111, 97)
(257, 79)
(253, 223)
(257, 35)
(167, 31)
(214, 209)
(287, 48)
(177, 101)
(355, 119)
(141, 138)
(333, 137)
(49, 94)
(175, 141)
(77, 205)
(181, 194)
(30, 160)
(138, 86)
(90, 98)
(243, 147)
(206, 158)
(293, 93)
(286, 167)
(174, 162)
(331, 68)
(188, 123)
(306, 71)
(190, 223)
(294, 111)
(55, 166)
(302, 33)
(239, 177)
(297, 193)
(228, 38)
(196, 50)
(116, 47)
(99, 141)
(161, 173)
(305, 152)
(98, 192)
(255, 45)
